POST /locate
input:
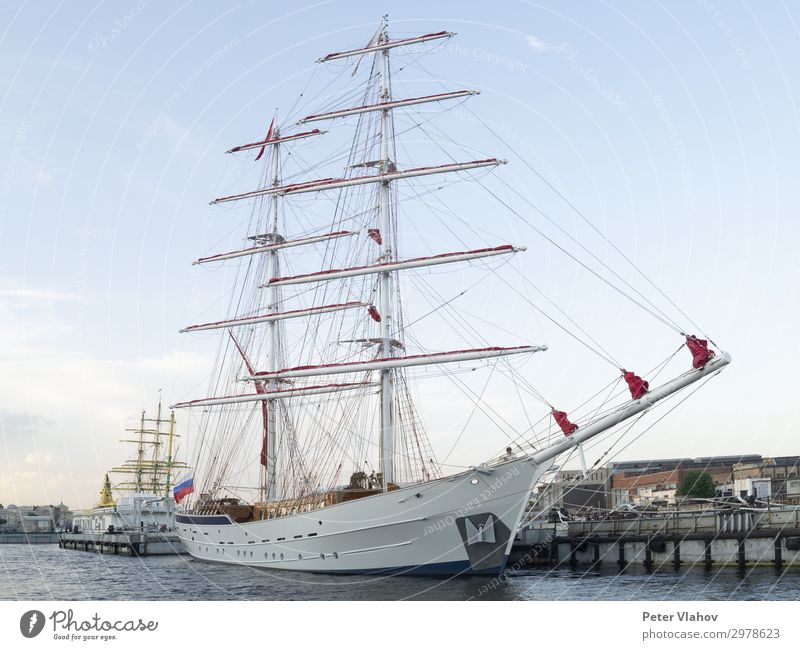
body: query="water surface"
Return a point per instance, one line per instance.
(46, 572)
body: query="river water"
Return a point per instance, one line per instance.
(45, 572)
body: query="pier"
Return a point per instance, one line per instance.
(28, 538)
(740, 538)
(123, 543)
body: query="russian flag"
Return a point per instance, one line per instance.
(183, 488)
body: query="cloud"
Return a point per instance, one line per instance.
(14, 424)
(64, 411)
(538, 44)
(17, 290)
(65, 455)
(40, 460)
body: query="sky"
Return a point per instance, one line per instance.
(673, 126)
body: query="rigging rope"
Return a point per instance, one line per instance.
(578, 212)
(587, 221)
(659, 316)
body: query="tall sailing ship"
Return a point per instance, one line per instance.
(319, 334)
(142, 499)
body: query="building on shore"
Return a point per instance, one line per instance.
(568, 489)
(655, 482)
(654, 488)
(33, 519)
(776, 478)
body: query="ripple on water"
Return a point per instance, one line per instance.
(45, 571)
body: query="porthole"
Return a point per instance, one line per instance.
(273, 556)
(281, 557)
(474, 481)
(266, 556)
(299, 556)
(322, 556)
(335, 556)
(251, 553)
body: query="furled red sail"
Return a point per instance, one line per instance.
(260, 390)
(375, 235)
(636, 384)
(561, 419)
(699, 349)
(267, 139)
(374, 313)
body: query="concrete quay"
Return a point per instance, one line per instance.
(738, 538)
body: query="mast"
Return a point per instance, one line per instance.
(322, 184)
(391, 363)
(276, 382)
(153, 474)
(140, 455)
(169, 454)
(385, 267)
(272, 420)
(304, 391)
(154, 479)
(387, 251)
(254, 250)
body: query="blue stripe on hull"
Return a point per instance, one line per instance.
(203, 520)
(459, 568)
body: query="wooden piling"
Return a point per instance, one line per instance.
(778, 553)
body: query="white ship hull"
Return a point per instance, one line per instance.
(462, 524)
